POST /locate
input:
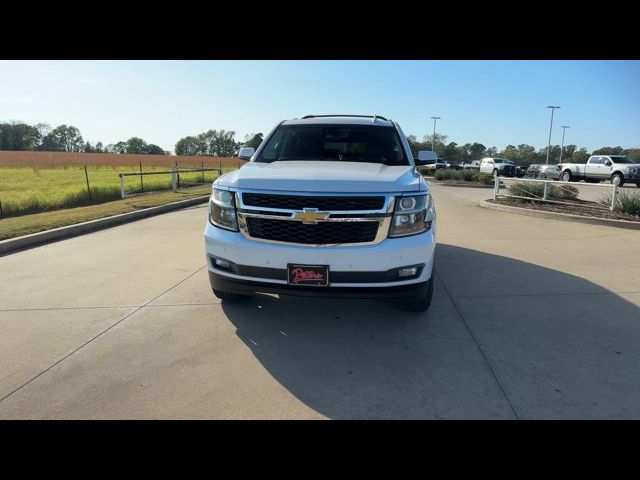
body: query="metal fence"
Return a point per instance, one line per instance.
(582, 195)
(181, 178)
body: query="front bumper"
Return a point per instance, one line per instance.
(246, 287)
(271, 259)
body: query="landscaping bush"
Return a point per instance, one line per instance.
(480, 177)
(536, 190)
(626, 202)
(449, 175)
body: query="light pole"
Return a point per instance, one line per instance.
(433, 142)
(564, 129)
(552, 107)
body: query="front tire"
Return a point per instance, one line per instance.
(617, 179)
(229, 297)
(566, 176)
(638, 184)
(422, 304)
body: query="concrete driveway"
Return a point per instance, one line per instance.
(532, 318)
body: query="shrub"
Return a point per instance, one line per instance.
(536, 190)
(626, 202)
(449, 175)
(480, 177)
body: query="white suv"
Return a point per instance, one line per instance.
(328, 206)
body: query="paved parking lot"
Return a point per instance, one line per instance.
(532, 318)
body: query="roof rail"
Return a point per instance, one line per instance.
(374, 117)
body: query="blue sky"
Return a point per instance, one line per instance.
(493, 102)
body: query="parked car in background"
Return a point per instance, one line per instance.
(532, 170)
(519, 170)
(500, 166)
(549, 172)
(617, 169)
(473, 165)
(441, 163)
(425, 158)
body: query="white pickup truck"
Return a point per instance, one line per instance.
(327, 206)
(617, 169)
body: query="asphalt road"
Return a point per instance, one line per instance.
(532, 318)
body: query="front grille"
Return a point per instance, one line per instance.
(321, 233)
(509, 170)
(299, 202)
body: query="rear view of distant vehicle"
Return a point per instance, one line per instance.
(498, 166)
(549, 172)
(532, 170)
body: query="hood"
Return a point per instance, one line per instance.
(323, 176)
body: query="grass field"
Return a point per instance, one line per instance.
(34, 182)
(38, 222)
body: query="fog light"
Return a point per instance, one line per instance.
(407, 272)
(222, 263)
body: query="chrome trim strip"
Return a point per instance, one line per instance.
(383, 219)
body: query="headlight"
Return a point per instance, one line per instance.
(412, 215)
(222, 210)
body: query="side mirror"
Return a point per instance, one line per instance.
(426, 157)
(245, 153)
(607, 163)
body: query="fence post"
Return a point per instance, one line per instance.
(1, 212)
(496, 186)
(613, 198)
(203, 170)
(141, 182)
(86, 175)
(173, 178)
(122, 194)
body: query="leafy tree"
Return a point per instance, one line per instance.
(99, 148)
(608, 151)
(477, 151)
(18, 136)
(580, 156)
(187, 146)
(633, 154)
(136, 145)
(153, 149)
(64, 138)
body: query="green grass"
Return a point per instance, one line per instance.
(33, 190)
(26, 224)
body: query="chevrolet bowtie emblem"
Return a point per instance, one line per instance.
(310, 216)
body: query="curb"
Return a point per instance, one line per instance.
(34, 239)
(562, 216)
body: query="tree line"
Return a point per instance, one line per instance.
(222, 143)
(65, 138)
(522, 154)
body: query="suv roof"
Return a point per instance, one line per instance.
(340, 119)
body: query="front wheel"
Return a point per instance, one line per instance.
(638, 184)
(566, 176)
(422, 304)
(543, 176)
(616, 179)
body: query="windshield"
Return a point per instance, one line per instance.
(347, 143)
(621, 160)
